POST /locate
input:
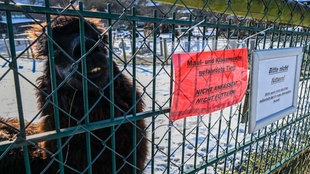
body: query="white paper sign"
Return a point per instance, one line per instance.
(274, 89)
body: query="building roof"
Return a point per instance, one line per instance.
(17, 19)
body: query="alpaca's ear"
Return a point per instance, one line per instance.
(99, 26)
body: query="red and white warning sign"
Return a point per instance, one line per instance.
(205, 82)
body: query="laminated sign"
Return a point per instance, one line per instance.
(205, 82)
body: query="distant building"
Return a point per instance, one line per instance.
(20, 23)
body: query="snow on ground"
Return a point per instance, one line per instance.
(8, 97)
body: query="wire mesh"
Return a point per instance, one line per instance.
(139, 36)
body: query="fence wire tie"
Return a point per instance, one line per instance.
(241, 42)
(191, 28)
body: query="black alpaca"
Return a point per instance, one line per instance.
(69, 78)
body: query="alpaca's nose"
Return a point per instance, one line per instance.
(90, 46)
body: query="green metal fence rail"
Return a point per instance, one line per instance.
(142, 36)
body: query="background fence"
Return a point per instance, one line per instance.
(142, 37)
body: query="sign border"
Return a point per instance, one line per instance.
(197, 75)
(261, 55)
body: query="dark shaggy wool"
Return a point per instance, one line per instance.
(69, 80)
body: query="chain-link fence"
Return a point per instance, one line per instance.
(86, 87)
